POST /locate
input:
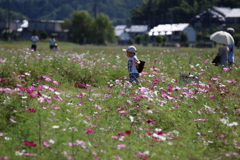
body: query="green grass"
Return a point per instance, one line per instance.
(77, 104)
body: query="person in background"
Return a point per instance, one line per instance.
(56, 48)
(132, 62)
(231, 48)
(223, 53)
(52, 42)
(34, 40)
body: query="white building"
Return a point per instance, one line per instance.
(173, 31)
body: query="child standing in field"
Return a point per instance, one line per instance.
(132, 64)
(34, 40)
(52, 42)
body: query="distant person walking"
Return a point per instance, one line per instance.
(231, 48)
(52, 42)
(34, 40)
(132, 64)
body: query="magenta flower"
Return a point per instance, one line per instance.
(211, 96)
(2, 79)
(30, 143)
(31, 110)
(80, 95)
(89, 130)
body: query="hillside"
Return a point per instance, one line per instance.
(117, 10)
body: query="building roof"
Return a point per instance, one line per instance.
(167, 29)
(227, 12)
(137, 28)
(119, 29)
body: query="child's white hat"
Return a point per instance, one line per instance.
(131, 49)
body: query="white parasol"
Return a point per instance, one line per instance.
(222, 37)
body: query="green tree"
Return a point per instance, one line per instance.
(138, 39)
(159, 39)
(183, 37)
(102, 30)
(80, 28)
(43, 35)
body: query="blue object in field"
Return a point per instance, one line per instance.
(189, 78)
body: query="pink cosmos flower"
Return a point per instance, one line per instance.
(3, 157)
(211, 96)
(120, 146)
(200, 119)
(90, 99)
(80, 95)
(13, 120)
(115, 137)
(89, 130)
(46, 144)
(55, 82)
(88, 85)
(30, 154)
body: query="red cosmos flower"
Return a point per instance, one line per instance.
(80, 84)
(127, 132)
(31, 110)
(149, 133)
(170, 89)
(30, 143)
(24, 83)
(120, 133)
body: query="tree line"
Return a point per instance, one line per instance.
(83, 28)
(154, 12)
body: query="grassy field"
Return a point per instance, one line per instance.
(77, 104)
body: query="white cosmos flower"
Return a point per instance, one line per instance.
(51, 141)
(232, 124)
(131, 118)
(57, 93)
(163, 138)
(46, 87)
(20, 153)
(55, 126)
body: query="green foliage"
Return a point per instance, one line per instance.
(183, 39)
(43, 35)
(102, 30)
(174, 11)
(117, 10)
(138, 39)
(162, 119)
(80, 29)
(159, 39)
(237, 39)
(131, 41)
(85, 29)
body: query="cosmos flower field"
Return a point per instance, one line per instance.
(78, 104)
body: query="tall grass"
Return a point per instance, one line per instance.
(77, 104)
